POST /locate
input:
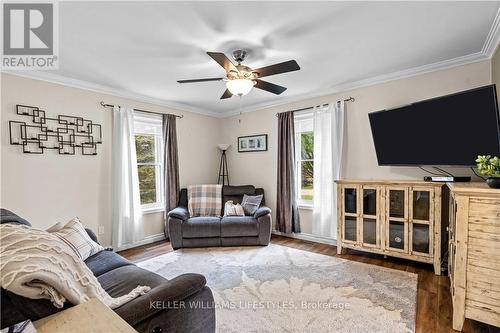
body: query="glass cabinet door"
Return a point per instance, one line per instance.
(350, 214)
(370, 201)
(350, 228)
(370, 231)
(397, 203)
(350, 200)
(369, 218)
(420, 238)
(397, 235)
(421, 205)
(420, 221)
(396, 223)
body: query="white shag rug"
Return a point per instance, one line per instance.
(281, 289)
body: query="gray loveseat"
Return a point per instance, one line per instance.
(202, 231)
(118, 276)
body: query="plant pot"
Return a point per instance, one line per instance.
(493, 182)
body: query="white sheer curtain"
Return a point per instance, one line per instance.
(127, 228)
(328, 144)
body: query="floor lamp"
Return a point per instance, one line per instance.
(223, 171)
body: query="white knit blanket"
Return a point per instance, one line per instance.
(38, 265)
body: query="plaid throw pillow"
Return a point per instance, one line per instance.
(74, 234)
(204, 200)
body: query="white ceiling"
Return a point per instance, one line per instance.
(143, 48)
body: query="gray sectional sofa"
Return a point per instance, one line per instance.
(118, 276)
(186, 231)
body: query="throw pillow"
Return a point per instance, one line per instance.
(74, 234)
(204, 200)
(56, 227)
(230, 209)
(250, 204)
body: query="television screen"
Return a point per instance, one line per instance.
(449, 130)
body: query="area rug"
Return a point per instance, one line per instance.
(281, 289)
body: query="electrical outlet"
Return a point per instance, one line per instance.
(100, 230)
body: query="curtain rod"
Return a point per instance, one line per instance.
(111, 106)
(349, 99)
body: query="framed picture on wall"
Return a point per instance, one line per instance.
(252, 143)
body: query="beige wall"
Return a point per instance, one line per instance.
(495, 70)
(360, 159)
(49, 188)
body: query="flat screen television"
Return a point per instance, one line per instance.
(445, 131)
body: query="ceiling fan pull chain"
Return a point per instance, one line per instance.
(239, 120)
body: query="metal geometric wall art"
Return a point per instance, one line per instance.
(66, 134)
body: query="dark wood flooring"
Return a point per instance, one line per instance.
(434, 308)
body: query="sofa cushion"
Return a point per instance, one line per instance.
(239, 226)
(122, 280)
(201, 227)
(183, 198)
(105, 261)
(6, 216)
(235, 193)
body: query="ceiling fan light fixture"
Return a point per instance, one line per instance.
(240, 87)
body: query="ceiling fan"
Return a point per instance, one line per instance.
(240, 79)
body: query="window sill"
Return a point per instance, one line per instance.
(305, 206)
(152, 210)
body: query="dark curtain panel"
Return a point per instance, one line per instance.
(170, 162)
(287, 214)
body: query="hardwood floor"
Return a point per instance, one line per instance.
(434, 308)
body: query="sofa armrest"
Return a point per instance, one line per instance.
(262, 211)
(180, 213)
(161, 298)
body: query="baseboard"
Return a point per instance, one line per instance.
(147, 240)
(308, 237)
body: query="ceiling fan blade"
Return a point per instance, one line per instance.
(201, 80)
(282, 67)
(226, 94)
(224, 61)
(271, 87)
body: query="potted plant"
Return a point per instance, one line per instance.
(490, 167)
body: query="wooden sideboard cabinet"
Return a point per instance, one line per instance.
(395, 218)
(474, 253)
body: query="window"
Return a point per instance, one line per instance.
(304, 150)
(148, 145)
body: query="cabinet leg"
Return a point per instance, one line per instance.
(437, 268)
(459, 309)
(340, 250)
(458, 323)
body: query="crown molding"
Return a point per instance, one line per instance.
(345, 87)
(493, 38)
(102, 89)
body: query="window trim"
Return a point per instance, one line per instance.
(305, 204)
(159, 205)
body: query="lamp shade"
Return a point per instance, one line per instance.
(224, 146)
(239, 87)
